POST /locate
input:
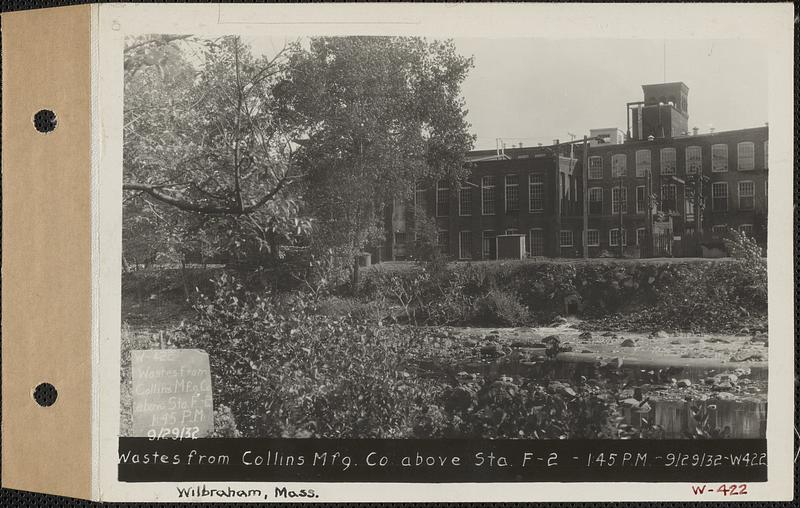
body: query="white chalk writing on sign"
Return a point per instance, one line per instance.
(171, 393)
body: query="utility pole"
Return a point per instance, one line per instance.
(585, 201)
(559, 190)
(648, 218)
(619, 205)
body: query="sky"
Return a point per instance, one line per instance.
(534, 91)
(537, 90)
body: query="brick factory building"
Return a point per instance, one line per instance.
(657, 165)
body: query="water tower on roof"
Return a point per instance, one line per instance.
(664, 112)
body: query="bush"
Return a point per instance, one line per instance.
(285, 370)
(502, 308)
(338, 307)
(683, 295)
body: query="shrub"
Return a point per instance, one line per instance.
(751, 278)
(683, 295)
(502, 308)
(285, 370)
(338, 307)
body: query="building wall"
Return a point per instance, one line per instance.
(523, 162)
(735, 216)
(476, 221)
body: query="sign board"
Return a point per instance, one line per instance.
(172, 393)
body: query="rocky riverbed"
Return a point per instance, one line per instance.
(670, 379)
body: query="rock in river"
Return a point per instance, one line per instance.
(628, 343)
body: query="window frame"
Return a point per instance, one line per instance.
(674, 189)
(726, 158)
(622, 201)
(642, 172)
(611, 237)
(530, 241)
(461, 244)
(539, 186)
(419, 198)
(591, 175)
(486, 253)
(643, 209)
(561, 238)
(507, 186)
(636, 234)
(743, 226)
(623, 169)
(689, 162)
(664, 162)
(722, 185)
(752, 156)
(492, 189)
(589, 200)
(752, 195)
(589, 236)
(716, 227)
(444, 247)
(464, 186)
(439, 202)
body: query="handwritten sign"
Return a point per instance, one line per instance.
(171, 393)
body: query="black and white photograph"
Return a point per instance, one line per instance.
(392, 237)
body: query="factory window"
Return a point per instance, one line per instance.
(512, 193)
(465, 245)
(642, 163)
(640, 236)
(719, 230)
(667, 161)
(641, 199)
(613, 237)
(669, 200)
(465, 199)
(746, 156)
(747, 192)
(536, 241)
(487, 195)
(444, 241)
(442, 198)
(565, 238)
(746, 229)
(719, 158)
(595, 168)
(618, 165)
(596, 200)
(419, 198)
(619, 198)
(487, 244)
(694, 160)
(593, 237)
(536, 192)
(719, 197)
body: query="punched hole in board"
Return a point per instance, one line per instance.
(45, 394)
(45, 121)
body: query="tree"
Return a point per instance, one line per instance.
(379, 114)
(205, 156)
